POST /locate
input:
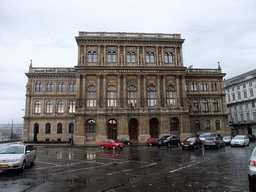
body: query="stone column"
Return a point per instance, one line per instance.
(99, 56)
(104, 58)
(84, 91)
(144, 56)
(124, 57)
(125, 91)
(104, 90)
(118, 55)
(162, 49)
(78, 83)
(158, 92)
(164, 89)
(118, 91)
(85, 55)
(177, 91)
(138, 56)
(139, 90)
(79, 55)
(181, 57)
(176, 56)
(157, 62)
(145, 90)
(98, 91)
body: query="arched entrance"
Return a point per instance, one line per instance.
(133, 129)
(154, 125)
(36, 130)
(112, 129)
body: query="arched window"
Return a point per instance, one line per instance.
(71, 128)
(132, 90)
(72, 86)
(186, 87)
(52, 86)
(207, 125)
(203, 86)
(91, 96)
(128, 57)
(72, 107)
(111, 96)
(205, 106)
(195, 105)
(166, 57)
(89, 57)
(215, 105)
(36, 128)
(174, 124)
(171, 95)
(37, 107)
(91, 126)
(147, 57)
(49, 108)
(95, 57)
(194, 86)
(59, 128)
(40, 87)
(60, 107)
(170, 58)
(152, 58)
(151, 91)
(214, 86)
(133, 57)
(47, 128)
(217, 125)
(109, 57)
(61, 86)
(48, 86)
(114, 57)
(37, 87)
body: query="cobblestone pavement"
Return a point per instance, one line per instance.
(135, 168)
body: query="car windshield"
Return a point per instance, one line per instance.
(239, 138)
(13, 150)
(227, 137)
(190, 139)
(164, 137)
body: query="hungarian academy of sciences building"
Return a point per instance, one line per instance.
(125, 85)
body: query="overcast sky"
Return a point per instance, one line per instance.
(44, 30)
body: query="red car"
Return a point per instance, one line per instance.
(110, 143)
(152, 141)
(192, 143)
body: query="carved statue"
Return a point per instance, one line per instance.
(179, 58)
(122, 58)
(28, 86)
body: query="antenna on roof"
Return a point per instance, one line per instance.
(31, 63)
(219, 65)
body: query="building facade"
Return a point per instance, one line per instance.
(125, 85)
(241, 101)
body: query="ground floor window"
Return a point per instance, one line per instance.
(91, 126)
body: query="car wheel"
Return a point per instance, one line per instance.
(23, 166)
(252, 184)
(150, 144)
(114, 147)
(244, 144)
(218, 146)
(33, 161)
(158, 146)
(102, 147)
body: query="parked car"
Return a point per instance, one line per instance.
(227, 139)
(251, 137)
(204, 136)
(110, 143)
(191, 143)
(152, 141)
(214, 142)
(17, 156)
(168, 141)
(124, 141)
(252, 171)
(240, 140)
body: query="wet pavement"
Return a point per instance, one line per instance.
(135, 168)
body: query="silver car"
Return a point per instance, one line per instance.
(252, 171)
(240, 140)
(227, 139)
(213, 142)
(17, 156)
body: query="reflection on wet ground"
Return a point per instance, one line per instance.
(135, 168)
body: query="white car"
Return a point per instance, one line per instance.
(17, 156)
(240, 140)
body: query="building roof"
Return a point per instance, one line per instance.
(241, 77)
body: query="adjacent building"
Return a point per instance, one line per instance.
(241, 101)
(125, 85)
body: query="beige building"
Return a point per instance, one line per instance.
(125, 85)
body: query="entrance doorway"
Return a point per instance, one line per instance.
(112, 129)
(36, 130)
(154, 124)
(133, 129)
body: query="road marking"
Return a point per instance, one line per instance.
(184, 167)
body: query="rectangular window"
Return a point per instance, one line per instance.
(233, 97)
(254, 116)
(151, 98)
(251, 93)
(241, 116)
(111, 99)
(229, 98)
(132, 98)
(241, 107)
(239, 95)
(238, 87)
(253, 104)
(91, 99)
(248, 116)
(170, 98)
(250, 83)
(244, 85)
(245, 94)
(246, 105)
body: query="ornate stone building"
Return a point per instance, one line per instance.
(125, 85)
